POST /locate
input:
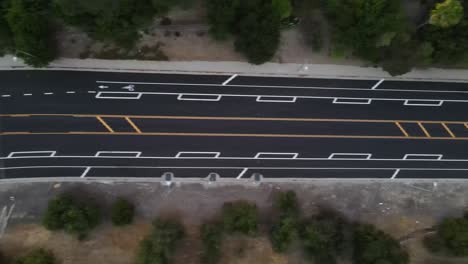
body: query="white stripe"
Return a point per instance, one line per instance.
(288, 87)
(48, 93)
(395, 174)
(85, 172)
(377, 84)
(5, 95)
(230, 79)
(242, 173)
(70, 92)
(27, 94)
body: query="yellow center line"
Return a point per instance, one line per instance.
(424, 129)
(133, 125)
(105, 124)
(448, 130)
(241, 118)
(402, 129)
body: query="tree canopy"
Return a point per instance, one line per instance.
(446, 14)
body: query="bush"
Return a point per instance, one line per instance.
(122, 212)
(255, 23)
(240, 216)
(38, 256)
(372, 246)
(159, 246)
(73, 217)
(285, 230)
(211, 236)
(29, 24)
(451, 236)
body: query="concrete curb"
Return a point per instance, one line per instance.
(243, 68)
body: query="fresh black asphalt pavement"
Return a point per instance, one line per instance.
(114, 124)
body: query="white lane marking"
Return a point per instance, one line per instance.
(85, 172)
(27, 94)
(423, 156)
(275, 155)
(234, 168)
(276, 99)
(242, 173)
(48, 93)
(32, 154)
(413, 102)
(124, 154)
(377, 84)
(103, 86)
(197, 154)
(91, 91)
(131, 96)
(288, 87)
(395, 174)
(229, 80)
(337, 100)
(196, 97)
(351, 156)
(70, 92)
(298, 96)
(6, 95)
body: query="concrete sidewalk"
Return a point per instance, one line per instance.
(267, 69)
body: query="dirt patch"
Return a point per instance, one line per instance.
(114, 245)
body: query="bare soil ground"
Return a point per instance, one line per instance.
(396, 207)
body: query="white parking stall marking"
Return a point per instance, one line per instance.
(276, 99)
(423, 102)
(132, 154)
(377, 84)
(197, 154)
(275, 155)
(230, 79)
(32, 154)
(242, 173)
(353, 156)
(355, 101)
(199, 97)
(119, 95)
(395, 174)
(85, 172)
(423, 157)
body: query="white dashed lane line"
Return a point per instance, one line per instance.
(28, 94)
(6, 95)
(48, 93)
(70, 92)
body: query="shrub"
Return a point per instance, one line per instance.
(211, 236)
(159, 246)
(373, 246)
(29, 24)
(323, 237)
(240, 216)
(73, 217)
(122, 212)
(38, 256)
(285, 230)
(452, 236)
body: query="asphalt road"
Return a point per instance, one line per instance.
(102, 124)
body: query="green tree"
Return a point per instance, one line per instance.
(365, 26)
(211, 236)
(282, 7)
(159, 246)
(454, 234)
(122, 212)
(240, 216)
(372, 246)
(285, 229)
(37, 256)
(323, 237)
(63, 212)
(29, 24)
(6, 41)
(446, 14)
